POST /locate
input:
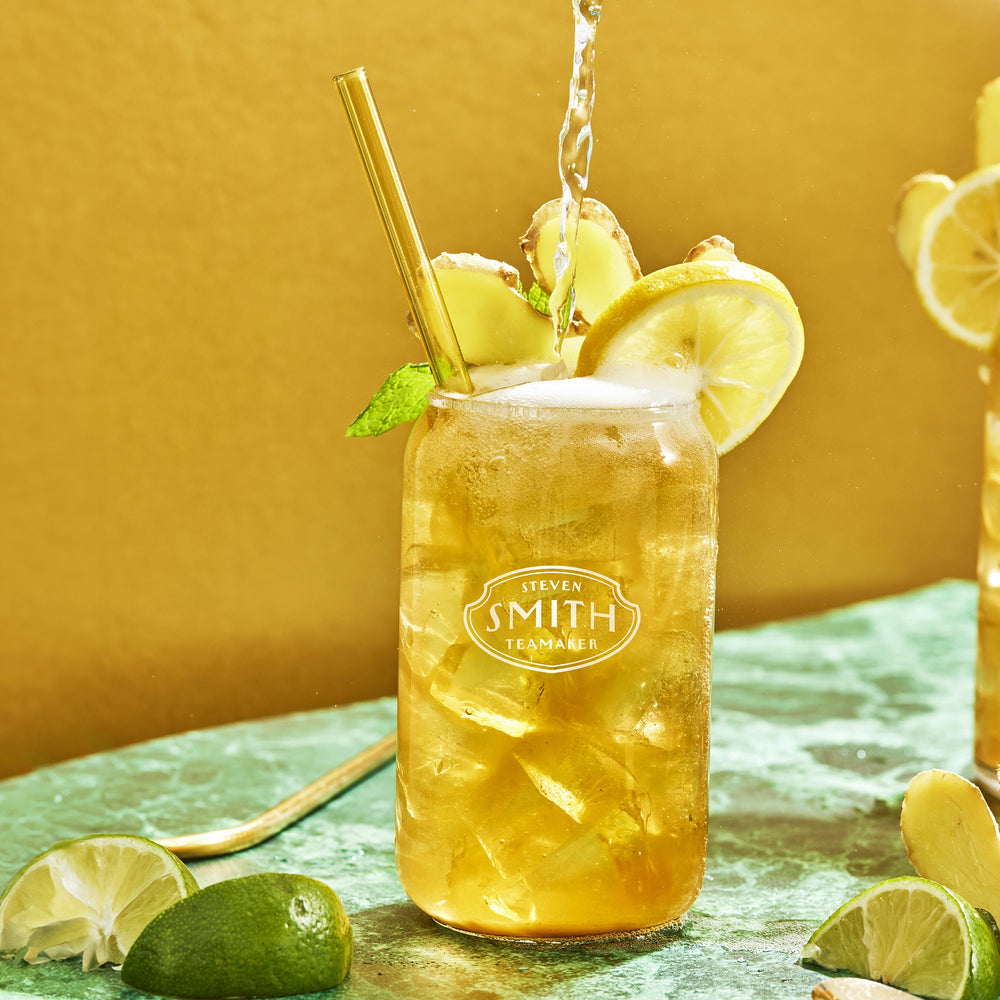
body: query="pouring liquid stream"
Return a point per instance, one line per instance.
(575, 148)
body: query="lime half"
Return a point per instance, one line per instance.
(268, 935)
(913, 934)
(89, 897)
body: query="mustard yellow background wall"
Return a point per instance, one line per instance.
(196, 298)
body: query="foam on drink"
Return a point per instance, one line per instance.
(631, 389)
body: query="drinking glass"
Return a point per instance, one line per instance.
(556, 621)
(987, 713)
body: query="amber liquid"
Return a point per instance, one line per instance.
(571, 804)
(987, 735)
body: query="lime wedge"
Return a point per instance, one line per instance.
(913, 934)
(89, 897)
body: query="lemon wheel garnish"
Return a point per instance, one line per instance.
(734, 326)
(957, 271)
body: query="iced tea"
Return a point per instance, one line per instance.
(987, 734)
(557, 605)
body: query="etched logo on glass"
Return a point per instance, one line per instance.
(552, 618)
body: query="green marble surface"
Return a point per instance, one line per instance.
(817, 725)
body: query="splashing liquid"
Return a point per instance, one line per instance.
(575, 147)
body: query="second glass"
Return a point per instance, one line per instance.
(556, 620)
(987, 733)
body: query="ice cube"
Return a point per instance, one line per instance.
(525, 831)
(579, 777)
(656, 678)
(512, 900)
(482, 690)
(427, 644)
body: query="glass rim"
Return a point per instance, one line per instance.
(476, 403)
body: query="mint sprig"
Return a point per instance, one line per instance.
(402, 397)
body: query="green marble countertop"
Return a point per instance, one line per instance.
(817, 725)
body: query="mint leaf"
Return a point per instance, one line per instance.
(538, 299)
(402, 397)
(567, 313)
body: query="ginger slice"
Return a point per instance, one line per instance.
(857, 989)
(951, 837)
(714, 248)
(606, 265)
(493, 322)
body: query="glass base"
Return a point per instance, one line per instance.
(989, 783)
(622, 940)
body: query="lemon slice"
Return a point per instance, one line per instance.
(733, 326)
(957, 271)
(914, 934)
(89, 897)
(988, 124)
(913, 204)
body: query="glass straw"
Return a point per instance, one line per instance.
(426, 302)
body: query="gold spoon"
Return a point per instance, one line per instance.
(238, 838)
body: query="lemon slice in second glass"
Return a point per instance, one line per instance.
(957, 272)
(734, 327)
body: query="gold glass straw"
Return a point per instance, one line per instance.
(429, 312)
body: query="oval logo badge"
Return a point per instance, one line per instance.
(552, 618)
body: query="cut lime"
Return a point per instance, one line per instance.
(734, 327)
(89, 897)
(266, 935)
(914, 934)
